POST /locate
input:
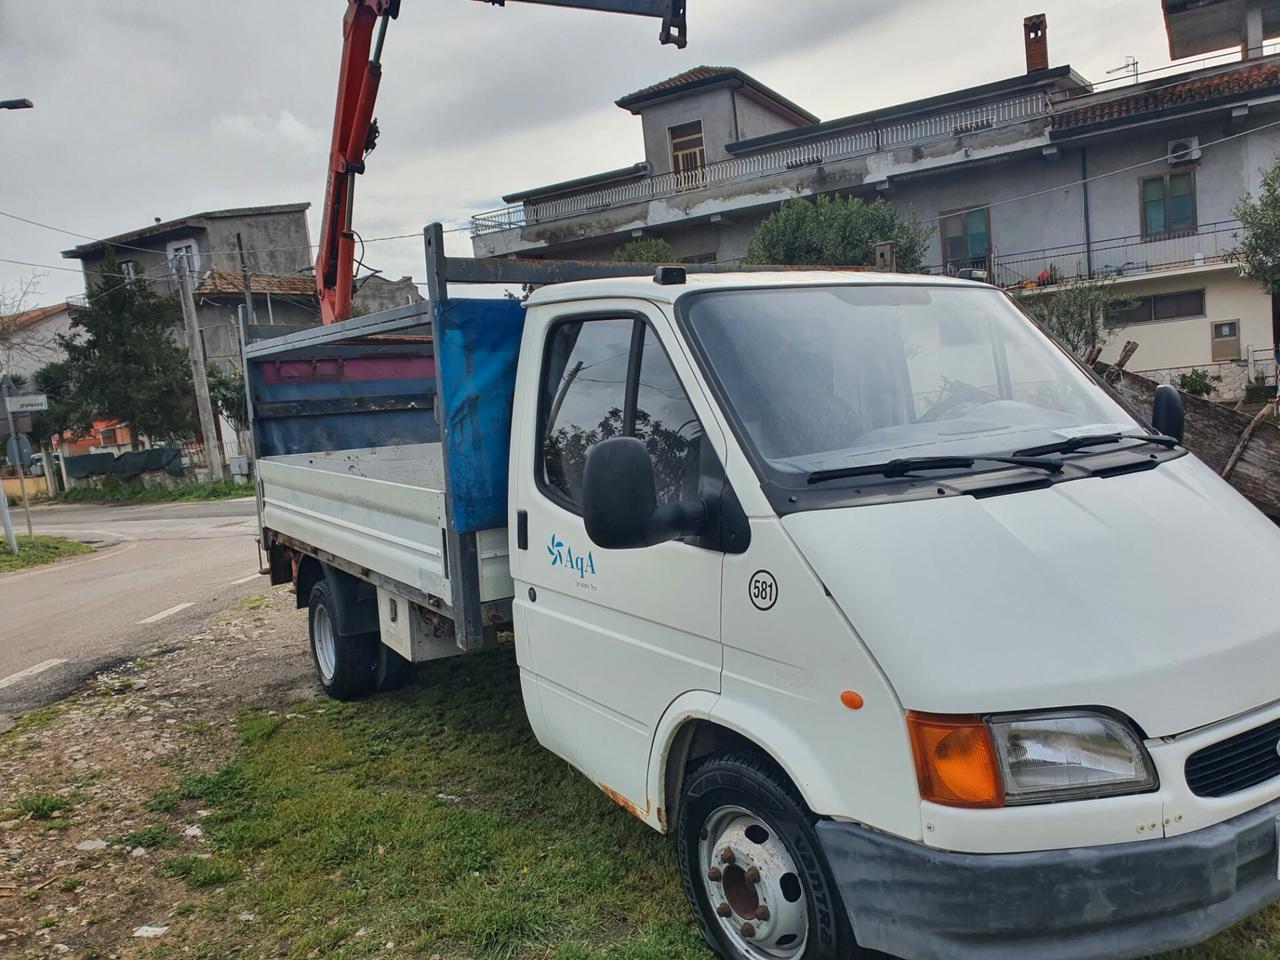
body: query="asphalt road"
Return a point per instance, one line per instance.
(158, 572)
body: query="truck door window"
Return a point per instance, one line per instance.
(665, 421)
(583, 397)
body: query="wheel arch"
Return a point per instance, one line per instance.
(701, 724)
(355, 601)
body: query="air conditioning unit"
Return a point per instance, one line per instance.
(1182, 151)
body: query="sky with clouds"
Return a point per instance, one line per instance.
(148, 109)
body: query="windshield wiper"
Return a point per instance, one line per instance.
(1088, 440)
(905, 465)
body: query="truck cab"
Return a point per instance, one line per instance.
(904, 625)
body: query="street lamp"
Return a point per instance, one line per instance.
(22, 104)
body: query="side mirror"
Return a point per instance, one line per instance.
(620, 499)
(1167, 414)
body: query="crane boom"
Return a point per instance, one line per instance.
(355, 131)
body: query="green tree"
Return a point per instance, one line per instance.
(1258, 255)
(226, 390)
(1081, 313)
(124, 362)
(53, 380)
(645, 250)
(1197, 382)
(838, 232)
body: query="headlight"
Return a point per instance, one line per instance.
(1068, 756)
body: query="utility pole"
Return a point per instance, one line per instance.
(207, 427)
(244, 277)
(5, 393)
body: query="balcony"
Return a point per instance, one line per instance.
(1210, 243)
(867, 140)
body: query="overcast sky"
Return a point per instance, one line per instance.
(147, 109)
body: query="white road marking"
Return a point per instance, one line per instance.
(166, 613)
(252, 576)
(30, 672)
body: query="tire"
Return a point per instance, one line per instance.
(344, 664)
(390, 670)
(739, 812)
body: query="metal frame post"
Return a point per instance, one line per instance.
(462, 553)
(6, 390)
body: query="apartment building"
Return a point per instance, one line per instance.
(1038, 179)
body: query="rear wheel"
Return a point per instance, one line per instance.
(752, 869)
(391, 671)
(344, 664)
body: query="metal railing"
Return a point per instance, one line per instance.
(856, 143)
(1115, 257)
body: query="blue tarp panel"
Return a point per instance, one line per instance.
(476, 358)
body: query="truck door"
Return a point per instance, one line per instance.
(610, 637)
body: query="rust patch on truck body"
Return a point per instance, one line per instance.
(624, 803)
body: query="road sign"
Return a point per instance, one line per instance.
(17, 450)
(28, 402)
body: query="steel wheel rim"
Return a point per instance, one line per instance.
(756, 893)
(326, 652)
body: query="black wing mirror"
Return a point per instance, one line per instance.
(1167, 414)
(620, 499)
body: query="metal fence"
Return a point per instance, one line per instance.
(1116, 256)
(869, 140)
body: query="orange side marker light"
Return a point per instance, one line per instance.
(851, 699)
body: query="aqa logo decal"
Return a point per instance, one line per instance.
(583, 565)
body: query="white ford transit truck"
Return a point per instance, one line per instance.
(908, 630)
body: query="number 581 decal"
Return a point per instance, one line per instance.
(763, 590)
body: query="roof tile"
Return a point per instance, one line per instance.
(218, 282)
(1175, 94)
(680, 79)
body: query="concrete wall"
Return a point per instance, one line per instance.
(714, 108)
(274, 242)
(1187, 342)
(218, 323)
(755, 119)
(152, 258)
(1225, 172)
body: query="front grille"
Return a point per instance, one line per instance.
(1244, 761)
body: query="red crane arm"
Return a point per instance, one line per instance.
(354, 134)
(355, 131)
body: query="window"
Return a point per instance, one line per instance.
(1168, 204)
(1161, 306)
(687, 154)
(592, 391)
(966, 238)
(184, 252)
(107, 438)
(665, 421)
(1226, 340)
(129, 270)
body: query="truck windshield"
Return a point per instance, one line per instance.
(823, 378)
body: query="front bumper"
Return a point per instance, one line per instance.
(1089, 903)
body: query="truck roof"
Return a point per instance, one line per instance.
(644, 287)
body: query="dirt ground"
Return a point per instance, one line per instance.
(82, 847)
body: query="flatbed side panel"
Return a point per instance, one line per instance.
(393, 529)
(375, 391)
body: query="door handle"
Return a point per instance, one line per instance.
(522, 529)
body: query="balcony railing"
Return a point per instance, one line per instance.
(845, 146)
(1116, 257)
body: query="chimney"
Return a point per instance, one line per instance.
(1035, 33)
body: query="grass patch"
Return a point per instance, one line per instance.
(136, 493)
(432, 818)
(255, 601)
(202, 871)
(42, 806)
(152, 837)
(35, 551)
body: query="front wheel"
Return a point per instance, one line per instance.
(752, 869)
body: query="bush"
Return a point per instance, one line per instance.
(1197, 382)
(645, 250)
(839, 233)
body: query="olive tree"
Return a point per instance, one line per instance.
(831, 231)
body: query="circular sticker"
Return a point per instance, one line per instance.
(763, 590)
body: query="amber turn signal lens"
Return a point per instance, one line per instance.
(955, 760)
